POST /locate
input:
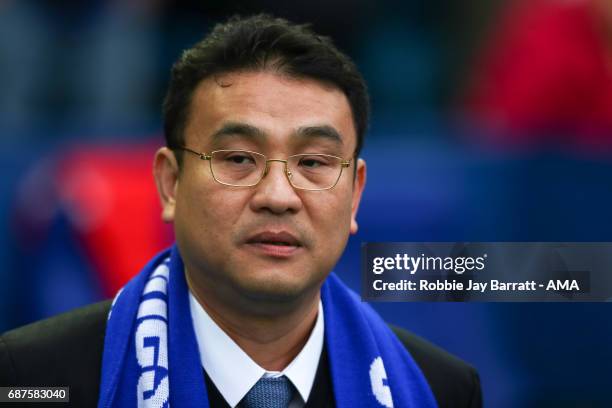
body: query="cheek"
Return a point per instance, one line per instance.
(332, 219)
(204, 214)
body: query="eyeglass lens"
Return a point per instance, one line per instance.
(305, 171)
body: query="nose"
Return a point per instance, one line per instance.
(274, 193)
(285, 168)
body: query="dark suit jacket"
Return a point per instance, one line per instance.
(66, 350)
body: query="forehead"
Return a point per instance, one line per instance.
(276, 104)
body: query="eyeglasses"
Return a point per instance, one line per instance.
(243, 168)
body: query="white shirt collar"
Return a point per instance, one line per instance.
(222, 358)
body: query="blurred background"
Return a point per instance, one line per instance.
(492, 121)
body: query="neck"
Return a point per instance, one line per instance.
(272, 338)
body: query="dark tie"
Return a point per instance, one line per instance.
(269, 393)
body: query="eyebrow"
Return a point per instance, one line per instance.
(322, 131)
(250, 131)
(238, 129)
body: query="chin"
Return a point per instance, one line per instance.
(275, 289)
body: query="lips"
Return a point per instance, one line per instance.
(275, 244)
(282, 238)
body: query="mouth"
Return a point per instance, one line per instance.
(275, 244)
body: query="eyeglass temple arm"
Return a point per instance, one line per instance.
(202, 156)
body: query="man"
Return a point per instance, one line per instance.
(264, 122)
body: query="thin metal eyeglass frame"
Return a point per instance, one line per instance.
(208, 157)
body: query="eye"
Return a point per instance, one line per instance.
(240, 159)
(313, 162)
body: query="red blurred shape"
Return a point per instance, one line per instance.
(547, 70)
(110, 197)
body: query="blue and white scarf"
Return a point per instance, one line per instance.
(151, 357)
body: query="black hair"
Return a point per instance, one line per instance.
(257, 43)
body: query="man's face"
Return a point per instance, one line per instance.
(269, 241)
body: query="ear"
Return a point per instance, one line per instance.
(166, 173)
(359, 184)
